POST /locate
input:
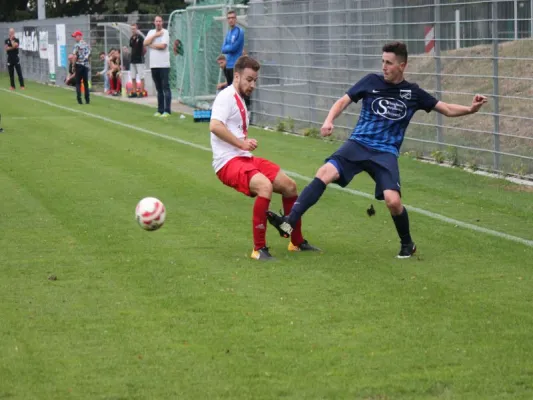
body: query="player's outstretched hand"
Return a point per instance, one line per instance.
(249, 145)
(477, 102)
(327, 129)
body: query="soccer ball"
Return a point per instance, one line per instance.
(150, 213)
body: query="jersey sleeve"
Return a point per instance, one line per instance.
(426, 101)
(221, 109)
(357, 91)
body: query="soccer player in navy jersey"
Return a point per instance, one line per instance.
(389, 103)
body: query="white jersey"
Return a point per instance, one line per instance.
(226, 110)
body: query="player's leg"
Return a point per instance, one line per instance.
(401, 222)
(140, 72)
(326, 174)
(156, 76)
(133, 74)
(78, 83)
(11, 69)
(165, 82)
(19, 74)
(261, 187)
(387, 176)
(85, 77)
(229, 76)
(242, 175)
(340, 168)
(286, 186)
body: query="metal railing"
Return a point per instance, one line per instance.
(311, 52)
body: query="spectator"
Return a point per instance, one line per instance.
(70, 80)
(105, 59)
(82, 51)
(157, 42)
(13, 62)
(114, 73)
(178, 47)
(221, 61)
(137, 61)
(126, 58)
(233, 45)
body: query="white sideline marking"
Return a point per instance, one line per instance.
(430, 214)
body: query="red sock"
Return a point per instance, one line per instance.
(296, 235)
(260, 221)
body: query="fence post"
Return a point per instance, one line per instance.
(495, 86)
(438, 68)
(189, 51)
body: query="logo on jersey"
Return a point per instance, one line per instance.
(390, 108)
(405, 94)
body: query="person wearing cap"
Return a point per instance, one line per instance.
(82, 51)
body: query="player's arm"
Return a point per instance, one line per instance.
(231, 48)
(15, 44)
(150, 38)
(164, 42)
(219, 129)
(457, 110)
(336, 110)
(159, 46)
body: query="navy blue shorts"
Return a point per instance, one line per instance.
(352, 158)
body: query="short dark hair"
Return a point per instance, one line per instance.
(246, 62)
(102, 53)
(398, 48)
(221, 57)
(231, 12)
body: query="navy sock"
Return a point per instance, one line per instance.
(402, 226)
(306, 200)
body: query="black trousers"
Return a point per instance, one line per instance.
(82, 72)
(162, 86)
(11, 68)
(228, 72)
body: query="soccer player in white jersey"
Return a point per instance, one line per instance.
(235, 165)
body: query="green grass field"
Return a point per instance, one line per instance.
(183, 313)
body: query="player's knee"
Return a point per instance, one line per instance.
(327, 173)
(290, 189)
(393, 202)
(261, 186)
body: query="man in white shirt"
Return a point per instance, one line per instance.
(157, 42)
(235, 165)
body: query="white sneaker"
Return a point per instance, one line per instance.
(157, 114)
(165, 115)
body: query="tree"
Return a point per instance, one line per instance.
(16, 10)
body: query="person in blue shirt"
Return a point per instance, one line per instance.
(388, 104)
(233, 45)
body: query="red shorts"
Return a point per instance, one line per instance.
(238, 172)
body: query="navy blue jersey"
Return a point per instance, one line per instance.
(386, 111)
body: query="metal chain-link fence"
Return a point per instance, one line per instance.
(312, 51)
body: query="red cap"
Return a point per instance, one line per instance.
(77, 33)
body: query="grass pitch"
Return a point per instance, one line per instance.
(183, 313)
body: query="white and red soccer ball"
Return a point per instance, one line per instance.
(150, 213)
